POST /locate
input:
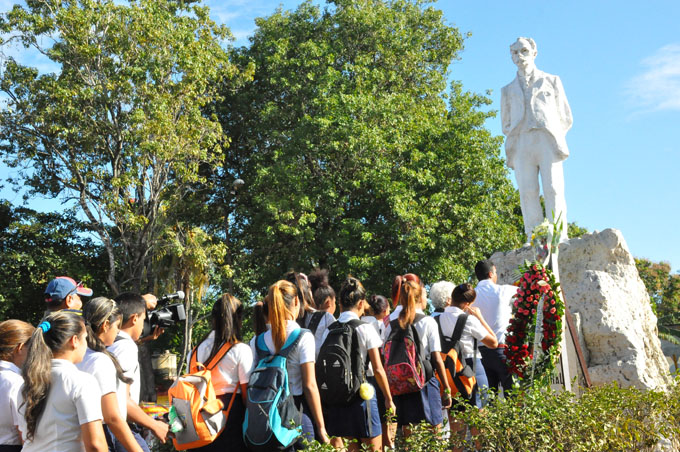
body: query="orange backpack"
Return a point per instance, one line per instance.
(200, 411)
(460, 375)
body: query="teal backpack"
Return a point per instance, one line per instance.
(272, 420)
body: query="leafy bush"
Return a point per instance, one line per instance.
(603, 419)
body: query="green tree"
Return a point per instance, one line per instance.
(119, 128)
(664, 292)
(36, 247)
(352, 158)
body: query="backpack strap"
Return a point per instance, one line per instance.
(354, 324)
(315, 320)
(291, 341)
(458, 329)
(219, 355)
(445, 341)
(424, 358)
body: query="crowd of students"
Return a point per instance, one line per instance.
(73, 382)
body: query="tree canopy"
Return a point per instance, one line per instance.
(358, 155)
(119, 126)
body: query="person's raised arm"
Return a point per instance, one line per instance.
(490, 340)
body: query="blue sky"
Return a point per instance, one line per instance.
(619, 62)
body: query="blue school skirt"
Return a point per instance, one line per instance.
(382, 409)
(359, 419)
(424, 405)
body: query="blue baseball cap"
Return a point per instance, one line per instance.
(62, 286)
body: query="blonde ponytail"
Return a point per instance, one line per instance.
(409, 295)
(279, 301)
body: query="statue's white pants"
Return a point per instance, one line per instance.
(536, 155)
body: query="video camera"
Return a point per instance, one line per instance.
(166, 315)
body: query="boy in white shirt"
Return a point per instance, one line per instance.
(133, 308)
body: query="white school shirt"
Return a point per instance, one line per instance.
(74, 400)
(102, 369)
(126, 352)
(326, 321)
(495, 303)
(233, 369)
(379, 325)
(473, 329)
(10, 385)
(305, 352)
(427, 331)
(368, 337)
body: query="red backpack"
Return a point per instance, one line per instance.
(406, 368)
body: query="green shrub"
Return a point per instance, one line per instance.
(603, 419)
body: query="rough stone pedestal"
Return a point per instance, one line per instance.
(604, 292)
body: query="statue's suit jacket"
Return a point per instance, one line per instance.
(549, 108)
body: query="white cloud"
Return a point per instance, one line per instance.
(658, 87)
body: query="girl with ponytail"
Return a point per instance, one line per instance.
(360, 419)
(231, 373)
(103, 320)
(60, 405)
(316, 321)
(13, 337)
(426, 404)
(283, 305)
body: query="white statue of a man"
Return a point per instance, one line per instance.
(536, 117)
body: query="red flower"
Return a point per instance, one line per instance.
(553, 310)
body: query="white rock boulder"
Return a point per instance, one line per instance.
(603, 290)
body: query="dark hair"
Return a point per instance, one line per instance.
(13, 333)
(130, 303)
(96, 313)
(482, 269)
(397, 283)
(321, 290)
(227, 318)
(259, 318)
(378, 304)
(279, 301)
(463, 293)
(53, 303)
(61, 327)
(304, 293)
(351, 292)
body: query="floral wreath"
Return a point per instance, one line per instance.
(536, 282)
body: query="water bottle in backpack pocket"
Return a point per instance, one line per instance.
(340, 367)
(272, 421)
(198, 410)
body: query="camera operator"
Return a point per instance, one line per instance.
(151, 303)
(133, 307)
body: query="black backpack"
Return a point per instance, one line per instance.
(340, 368)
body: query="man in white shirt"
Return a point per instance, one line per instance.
(495, 304)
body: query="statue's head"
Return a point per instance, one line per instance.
(523, 52)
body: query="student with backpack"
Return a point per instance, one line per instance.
(316, 321)
(285, 354)
(411, 355)
(13, 337)
(230, 375)
(103, 319)
(378, 316)
(133, 309)
(60, 406)
(461, 322)
(324, 295)
(350, 352)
